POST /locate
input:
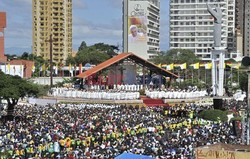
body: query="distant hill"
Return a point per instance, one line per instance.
(16, 50)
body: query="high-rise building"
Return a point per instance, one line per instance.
(246, 23)
(191, 26)
(141, 27)
(52, 17)
(239, 24)
(2, 27)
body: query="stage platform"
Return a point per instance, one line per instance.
(94, 101)
(143, 101)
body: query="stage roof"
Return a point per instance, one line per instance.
(124, 56)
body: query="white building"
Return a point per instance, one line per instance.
(191, 26)
(141, 27)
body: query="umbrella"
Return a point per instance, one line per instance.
(132, 156)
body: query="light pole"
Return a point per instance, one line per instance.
(246, 62)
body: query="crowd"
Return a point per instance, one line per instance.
(102, 131)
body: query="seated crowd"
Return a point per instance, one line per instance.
(101, 131)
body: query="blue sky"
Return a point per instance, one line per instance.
(94, 21)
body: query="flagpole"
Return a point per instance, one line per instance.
(231, 75)
(192, 75)
(205, 75)
(225, 75)
(238, 77)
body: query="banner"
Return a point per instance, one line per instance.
(137, 28)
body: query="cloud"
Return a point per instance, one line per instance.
(79, 4)
(84, 30)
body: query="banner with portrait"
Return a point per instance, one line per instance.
(137, 28)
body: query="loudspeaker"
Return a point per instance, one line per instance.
(217, 103)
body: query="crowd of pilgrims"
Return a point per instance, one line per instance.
(101, 131)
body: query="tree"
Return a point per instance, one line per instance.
(243, 79)
(94, 54)
(70, 60)
(25, 56)
(82, 46)
(177, 56)
(111, 50)
(12, 88)
(90, 55)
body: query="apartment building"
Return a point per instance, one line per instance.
(191, 26)
(52, 17)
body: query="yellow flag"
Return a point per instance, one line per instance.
(159, 65)
(43, 67)
(208, 66)
(9, 66)
(196, 65)
(33, 68)
(183, 66)
(70, 67)
(170, 67)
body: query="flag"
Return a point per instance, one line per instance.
(208, 66)
(9, 67)
(159, 65)
(170, 67)
(183, 66)
(33, 68)
(43, 67)
(196, 65)
(56, 70)
(21, 70)
(70, 67)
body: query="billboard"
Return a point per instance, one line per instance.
(137, 28)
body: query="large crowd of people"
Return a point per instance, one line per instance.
(101, 131)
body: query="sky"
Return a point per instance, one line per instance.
(94, 21)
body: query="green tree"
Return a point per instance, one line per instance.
(12, 88)
(25, 56)
(71, 60)
(94, 54)
(82, 46)
(243, 79)
(11, 57)
(90, 55)
(177, 56)
(111, 50)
